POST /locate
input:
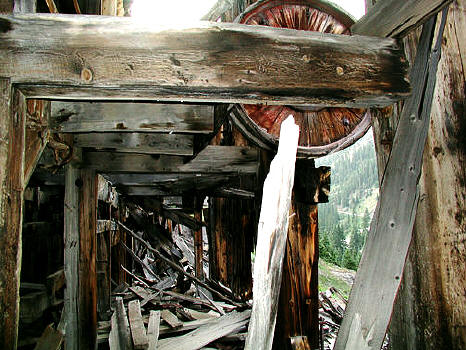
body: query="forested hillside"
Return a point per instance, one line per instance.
(344, 221)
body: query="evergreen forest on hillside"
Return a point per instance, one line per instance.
(344, 221)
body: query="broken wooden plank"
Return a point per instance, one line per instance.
(216, 62)
(224, 159)
(147, 143)
(207, 333)
(12, 140)
(171, 319)
(370, 305)
(51, 339)
(153, 329)
(300, 343)
(120, 338)
(138, 331)
(213, 159)
(393, 18)
(271, 239)
(131, 117)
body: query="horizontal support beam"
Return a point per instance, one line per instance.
(213, 159)
(141, 117)
(95, 57)
(394, 18)
(181, 183)
(156, 191)
(148, 143)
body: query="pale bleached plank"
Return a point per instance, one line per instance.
(370, 305)
(138, 331)
(171, 319)
(216, 62)
(153, 329)
(271, 239)
(127, 117)
(207, 333)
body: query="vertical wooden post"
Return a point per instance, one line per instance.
(12, 136)
(198, 243)
(87, 298)
(71, 243)
(80, 257)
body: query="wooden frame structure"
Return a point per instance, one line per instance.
(191, 66)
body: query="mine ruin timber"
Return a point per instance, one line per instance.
(196, 64)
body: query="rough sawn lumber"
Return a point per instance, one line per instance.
(371, 301)
(75, 58)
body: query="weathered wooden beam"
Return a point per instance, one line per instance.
(145, 143)
(213, 159)
(153, 329)
(223, 185)
(369, 309)
(25, 6)
(37, 134)
(71, 261)
(224, 159)
(87, 294)
(271, 239)
(120, 337)
(216, 62)
(300, 279)
(140, 117)
(80, 256)
(393, 18)
(198, 242)
(12, 140)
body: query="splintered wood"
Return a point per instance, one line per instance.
(271, 238)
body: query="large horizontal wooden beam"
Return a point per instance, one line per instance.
(394, 18)
(143, 117)
(213, 159)
(96, 57)
(148, 143)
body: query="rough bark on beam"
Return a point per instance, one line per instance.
(216, 62)
(146, 143)
(394, 18)
(271, 239)
(37, 134)
(367, 315)
(126, 117)
(12, 132)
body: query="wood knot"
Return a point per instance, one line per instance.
(340, 71)
(86, 75)
(306, 58)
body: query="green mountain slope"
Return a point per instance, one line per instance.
(344, 221)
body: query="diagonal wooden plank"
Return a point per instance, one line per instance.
(371, 301)
(271, 239)
(394, 18)
(216, 62)
(141, 117)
